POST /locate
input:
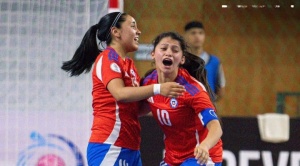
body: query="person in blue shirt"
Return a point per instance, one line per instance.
(195, 37)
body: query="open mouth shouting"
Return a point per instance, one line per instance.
(167, 62)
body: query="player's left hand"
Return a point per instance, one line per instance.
(201, 154)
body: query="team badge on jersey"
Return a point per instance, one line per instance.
(132, 73)
(133, 79)
(115, 67)
(173, 103)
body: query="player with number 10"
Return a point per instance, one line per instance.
(115, 137)
(189, 122)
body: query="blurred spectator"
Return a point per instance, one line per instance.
(195, 37)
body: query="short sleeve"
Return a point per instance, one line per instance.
(203, 107)
(108, 68)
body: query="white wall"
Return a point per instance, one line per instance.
(37, 98)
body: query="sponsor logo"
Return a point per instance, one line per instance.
(150, 100)
(265, 157)
(50, 150)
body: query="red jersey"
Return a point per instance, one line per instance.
(183, 120)
(114, 122)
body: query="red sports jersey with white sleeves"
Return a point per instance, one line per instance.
(183, 120)
(114, 122)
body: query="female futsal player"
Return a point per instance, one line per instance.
(115, 137)
(190, 124)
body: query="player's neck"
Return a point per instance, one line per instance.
(197, 51)
(166, 77)
(119, 49)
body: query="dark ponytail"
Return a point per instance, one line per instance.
(85, 55)
(196, 67)
(88, 50)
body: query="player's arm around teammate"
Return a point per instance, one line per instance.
(123, 39)
(128, 94)
(115, 137)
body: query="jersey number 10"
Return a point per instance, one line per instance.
(163, 117)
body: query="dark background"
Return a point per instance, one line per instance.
(238, 134)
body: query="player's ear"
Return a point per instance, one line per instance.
(152, 55)
(182, 60)
(115, 32)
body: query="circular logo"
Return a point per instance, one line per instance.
(173, 103)
(50, 160)
(115, 67)
(50, 150)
